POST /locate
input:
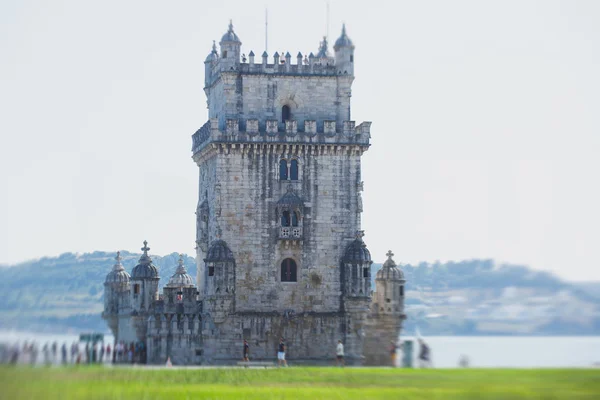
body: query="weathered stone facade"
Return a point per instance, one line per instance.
(279, 246)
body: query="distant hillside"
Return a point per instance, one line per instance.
(477, 297)
(473, 297)
(66, 292)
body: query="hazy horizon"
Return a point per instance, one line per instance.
(485, 127)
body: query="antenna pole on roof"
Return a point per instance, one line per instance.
(327, 20)
(266, 30)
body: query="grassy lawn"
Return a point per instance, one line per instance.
(295, 383)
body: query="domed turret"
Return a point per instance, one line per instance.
(118, 275)
(219, 252)
(230, 35)
(230, 48)
(210, 60)
(181, 277)
(344, 54)
(144, 285)
(323, 54)
(357, 268)
(389, 270)
(213, 55)
(389, 288)
(145, 269)
(220, 269)
(343, 40)
(357, 252)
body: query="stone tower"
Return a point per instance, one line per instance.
(387, 313)
(279, 243)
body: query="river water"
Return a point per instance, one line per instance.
(446, 351)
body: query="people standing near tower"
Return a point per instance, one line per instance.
(246, 351)
(63, 353)
(281, 353)
(339, 352)
(393, 352)
(424, 354)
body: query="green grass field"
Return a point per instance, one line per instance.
(295, 383)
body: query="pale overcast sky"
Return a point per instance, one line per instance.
(485, 135)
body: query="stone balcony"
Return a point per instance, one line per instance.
(290, 233)
(273, 131)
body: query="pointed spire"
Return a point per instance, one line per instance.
(181, 267)
(214, 47)
(343, 40)
(118, 266)
(389, 262)
(145, 248)
(251, 54)
(145, 258)
(230, 26)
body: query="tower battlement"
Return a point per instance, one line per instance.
(293, 132)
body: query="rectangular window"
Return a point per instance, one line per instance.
(224, 53)
(136, 289)
(401, 291)
(366, 272)
(211, 271)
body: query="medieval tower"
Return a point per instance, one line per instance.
(280, 251)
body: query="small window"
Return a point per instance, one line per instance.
(294, 170)
(136, 289)
(285, 218)
(294, 218)
(283, 170)
(387, 300)
(401, 291)
(351, 58)
(286, 113)
(354, 272)
(224, 53)
(366, 273)
(288, 270)
(211, 270)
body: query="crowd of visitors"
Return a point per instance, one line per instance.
(51, 353)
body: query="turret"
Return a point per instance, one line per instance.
(144, 282)
(344, 53)
(356, 272)
(389, 288)
(209, 62)
(387, 314)
(230, 49)
(181, 290)
(116, 295)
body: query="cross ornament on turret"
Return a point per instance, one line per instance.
(389, 254)
(145, 248)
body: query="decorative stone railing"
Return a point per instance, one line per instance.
(273, 131)
(290, 232)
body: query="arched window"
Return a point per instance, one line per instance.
(283, 170)
(294, 170)
(288, 270)
(401, 291)
(286, 113)
(285, 218)
(294, 218)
